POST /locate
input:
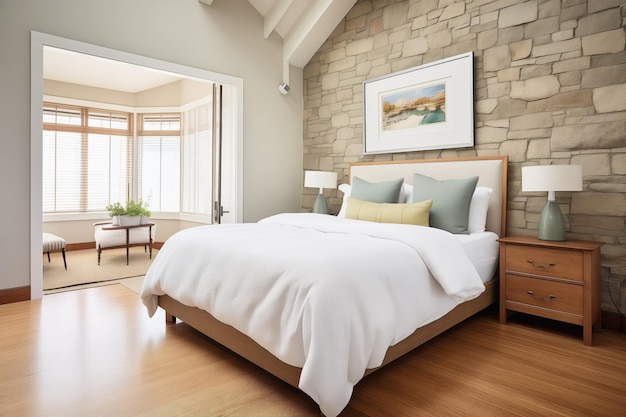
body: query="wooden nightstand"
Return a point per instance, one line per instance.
(555, 280)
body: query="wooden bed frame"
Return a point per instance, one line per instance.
(492, 172)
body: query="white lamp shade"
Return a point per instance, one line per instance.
(552, 178)
(320, 179)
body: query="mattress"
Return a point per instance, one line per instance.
(483, 251)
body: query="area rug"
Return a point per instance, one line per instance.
(83, 268)
(134, 284)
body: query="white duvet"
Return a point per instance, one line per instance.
(322, 293)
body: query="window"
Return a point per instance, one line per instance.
(198, 160)
(91, 159)
(158, 160)
(87, 158)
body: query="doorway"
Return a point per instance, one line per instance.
(39, 42)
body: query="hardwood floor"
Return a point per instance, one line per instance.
(94, 352)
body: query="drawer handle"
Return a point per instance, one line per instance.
(548, 298)
(545, 267)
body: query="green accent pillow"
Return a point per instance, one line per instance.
(415, 213)
(376, 192)
(451, 201)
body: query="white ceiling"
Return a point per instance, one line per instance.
(304, 25)
(77, 68)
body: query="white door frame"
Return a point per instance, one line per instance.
(38, 42)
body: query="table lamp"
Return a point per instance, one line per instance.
(552, 178)
(321, 180)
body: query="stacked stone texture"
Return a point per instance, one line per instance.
(549, 87)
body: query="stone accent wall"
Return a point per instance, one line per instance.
(549, 87)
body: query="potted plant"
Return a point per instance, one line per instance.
(131, 214)
(115, 211)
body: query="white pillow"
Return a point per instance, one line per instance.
(406, 195)
(479, 205)
(346, 189)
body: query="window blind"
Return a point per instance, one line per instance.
(87, 158)
(89, 155)
(158, 151)
(197, 178)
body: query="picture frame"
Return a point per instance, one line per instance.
(430, 106)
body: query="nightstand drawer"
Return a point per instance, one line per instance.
(553, 295)
(545, 262)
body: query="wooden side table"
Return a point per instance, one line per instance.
(149, 243)
(555, 280)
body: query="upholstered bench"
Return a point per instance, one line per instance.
(54, 243)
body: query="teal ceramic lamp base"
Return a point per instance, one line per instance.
(551, 224)
(552, 178)
(320, 205)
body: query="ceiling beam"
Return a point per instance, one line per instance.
(274, 15)
(312, 29)
(207, 2)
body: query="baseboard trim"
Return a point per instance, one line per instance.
(14, 295)
(80, 246)
(613, 321)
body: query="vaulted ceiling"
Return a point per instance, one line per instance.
(304, 25)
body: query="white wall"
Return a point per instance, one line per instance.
(81, 231)
(226, 38)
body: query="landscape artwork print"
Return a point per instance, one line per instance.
(430, 106)
(410, 108)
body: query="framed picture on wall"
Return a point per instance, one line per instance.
(426, 107)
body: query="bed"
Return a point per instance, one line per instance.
(327, 300)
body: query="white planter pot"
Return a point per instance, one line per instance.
(130, 220)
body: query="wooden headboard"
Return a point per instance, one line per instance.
(491, 172)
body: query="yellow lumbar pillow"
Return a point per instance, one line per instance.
(415, 213)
